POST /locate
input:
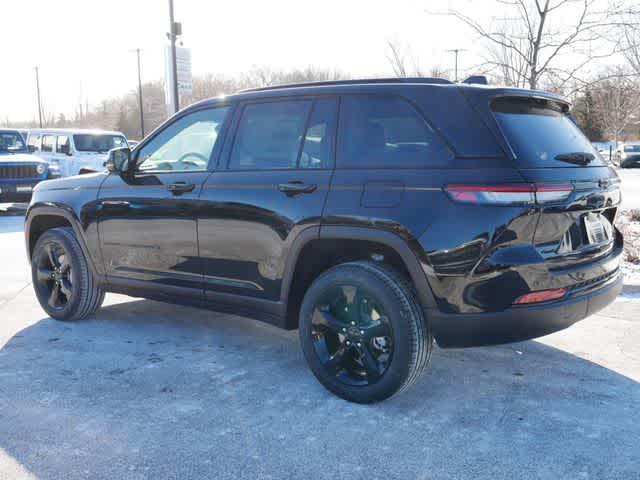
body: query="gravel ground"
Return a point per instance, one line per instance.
(146, 390)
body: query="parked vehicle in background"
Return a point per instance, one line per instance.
(628, 155)
(75, 151)
(371, 215)
(20, 171)
(25, 134)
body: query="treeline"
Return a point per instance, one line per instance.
(123, 113)
(606, 108)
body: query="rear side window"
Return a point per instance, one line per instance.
(48, 142)
(269, 135)
(384, 131)
(541, 133)
(34, 141)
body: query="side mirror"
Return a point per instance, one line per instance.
(32, 148)
(118, 159)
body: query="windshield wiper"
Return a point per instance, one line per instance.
(577, 158)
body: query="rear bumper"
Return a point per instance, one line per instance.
(522, 322)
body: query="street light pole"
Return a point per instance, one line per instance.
(140, 96)
(174, 67)
(456, 51)
(38, 93)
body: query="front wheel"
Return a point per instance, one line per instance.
(363, 332)
(62, 280)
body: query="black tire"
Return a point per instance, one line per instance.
(410, 343)
(58, 265)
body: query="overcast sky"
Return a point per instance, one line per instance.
(83, 47)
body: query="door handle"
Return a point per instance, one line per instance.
(295, 187)
(179, 188)
(115, 204)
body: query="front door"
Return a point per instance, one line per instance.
(147, 222)
(272, 184)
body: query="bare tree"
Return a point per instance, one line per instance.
(397, 58)
(617, 101)
(534, 37)
(631, 38)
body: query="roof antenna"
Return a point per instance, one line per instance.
(477, 79)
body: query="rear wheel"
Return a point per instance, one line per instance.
(363, 332)
(62, 280)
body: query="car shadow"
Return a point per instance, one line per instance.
(149, 390)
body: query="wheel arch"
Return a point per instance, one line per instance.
(315, 250)
(41, 218)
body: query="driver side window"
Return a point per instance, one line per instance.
(185, 145)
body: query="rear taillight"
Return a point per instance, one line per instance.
(541, 296)
(510, 194)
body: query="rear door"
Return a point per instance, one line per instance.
(272, 183)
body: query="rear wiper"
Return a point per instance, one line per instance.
(578, 158)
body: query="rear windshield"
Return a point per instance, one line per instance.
(541, 132)
(98, 142)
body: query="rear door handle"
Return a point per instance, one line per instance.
(115, 204)
(295, 187)
(179, 188)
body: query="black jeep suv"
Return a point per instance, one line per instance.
(371, 215)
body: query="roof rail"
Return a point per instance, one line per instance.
(353, 82)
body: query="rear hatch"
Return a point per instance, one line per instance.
(580, 192)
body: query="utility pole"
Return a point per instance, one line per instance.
(137, 50)
(175, 29)
(456, 51)
(38, 92)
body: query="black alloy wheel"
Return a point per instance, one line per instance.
(363, 331)
(53, 275)
(351, 335)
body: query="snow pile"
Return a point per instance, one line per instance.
(628, 222)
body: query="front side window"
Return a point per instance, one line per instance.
(269, 135)
(48, 143)
(385, 131)
(184, 145)
(63, 144)
(11, 142)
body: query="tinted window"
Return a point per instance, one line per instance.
(318, 139)
(632, 148)
(386, 132)
(539, 130)
(11, 141)
(186, 144)
(269, 135)
(48, 142)
(63, 144)
(98, 142)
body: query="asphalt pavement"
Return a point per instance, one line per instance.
(145, 390)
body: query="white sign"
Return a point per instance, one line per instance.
(183, 63)
(183, 67)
